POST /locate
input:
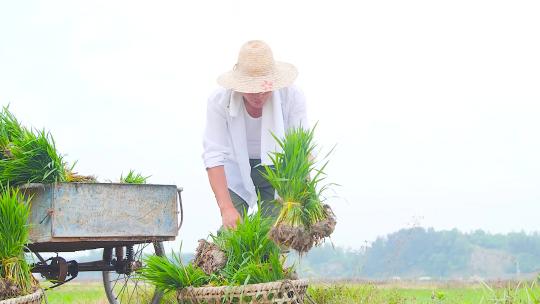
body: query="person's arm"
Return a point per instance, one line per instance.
(216, 151)
(218, 182)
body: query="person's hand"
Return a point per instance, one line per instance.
(230, 217)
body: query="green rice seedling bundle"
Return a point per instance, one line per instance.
(244, 255)
(304, 221)
(27, 156)
(15, 275)
(133, 178)
(251, 256)
(171, 274)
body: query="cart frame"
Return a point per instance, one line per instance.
(61, 221)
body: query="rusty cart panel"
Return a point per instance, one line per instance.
(78, 216)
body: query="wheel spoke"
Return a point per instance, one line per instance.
(115, 281)
(132, 289)
(122, 289)
(140, 250)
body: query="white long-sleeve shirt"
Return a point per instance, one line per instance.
(225, 141)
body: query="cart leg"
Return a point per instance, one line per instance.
(123, 286)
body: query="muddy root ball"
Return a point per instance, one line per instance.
(296, 238)
(8, 289)
(323, 229)
(209, 257)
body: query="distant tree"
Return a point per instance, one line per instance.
(425, 252)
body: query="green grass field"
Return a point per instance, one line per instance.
(345, 293)
(435, 293)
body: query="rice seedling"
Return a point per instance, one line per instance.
(27, 156)
(250, 237)
(133, 178)
(14, 230)
(244, 255)
(251, 256)
(253, 272)
(171, 274)
(304, 221)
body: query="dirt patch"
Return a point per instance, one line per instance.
(209, 257)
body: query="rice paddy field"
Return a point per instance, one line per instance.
(346, 292)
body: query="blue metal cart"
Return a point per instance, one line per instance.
(127, 221)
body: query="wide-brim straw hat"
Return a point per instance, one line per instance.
(256, 70)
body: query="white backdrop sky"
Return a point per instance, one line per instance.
(433, 105)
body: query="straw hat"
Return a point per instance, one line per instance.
(256, 71)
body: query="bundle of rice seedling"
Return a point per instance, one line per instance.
(27, 156)
(240, 256)
(171, 274)
(304, 221)
(251, 256)
(133, 178)
(14, 229)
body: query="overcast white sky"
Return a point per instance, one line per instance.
(433, 105)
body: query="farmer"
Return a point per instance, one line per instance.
(256, 101)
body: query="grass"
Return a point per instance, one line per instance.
(470, 294)
(78, 293)
(347, 293)
(86, 292)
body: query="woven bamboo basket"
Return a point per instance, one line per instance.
(33, 298)
(279, 292)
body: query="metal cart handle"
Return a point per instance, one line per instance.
(179, 190)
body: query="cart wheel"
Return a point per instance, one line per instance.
(127, 288)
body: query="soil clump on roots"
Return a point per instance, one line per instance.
(302, 239)
(323, 229)
(8, 289)
(209, 257)
(293, 237)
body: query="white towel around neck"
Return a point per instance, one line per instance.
(272, 123)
